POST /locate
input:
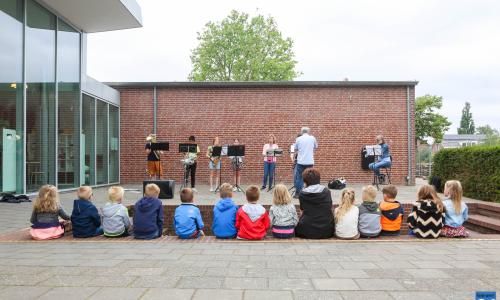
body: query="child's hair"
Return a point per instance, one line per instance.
(152, 190)
(427, 192)
(311, 176)
(84, 192)
(226, 190)
(252, 193)
(454, 188)
(369, 193)
(115, 193)
(346, 203)
(281, 196)
(47, 200)
(186, 195)
(391, 191)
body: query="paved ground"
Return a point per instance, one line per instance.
(241, 270)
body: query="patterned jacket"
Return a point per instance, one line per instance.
(425, 219)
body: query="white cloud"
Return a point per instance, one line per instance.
(451, 47)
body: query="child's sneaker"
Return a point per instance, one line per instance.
(194, 190)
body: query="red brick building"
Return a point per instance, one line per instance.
(343, 116)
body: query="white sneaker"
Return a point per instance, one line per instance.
(234, 189)
(194, 190)
(212, 189)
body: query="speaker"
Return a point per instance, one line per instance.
(167, 187)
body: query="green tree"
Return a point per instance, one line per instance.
(429, 123)
(466, 123)
(240, 48)
(492, 135)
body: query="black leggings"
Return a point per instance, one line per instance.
(192, 170)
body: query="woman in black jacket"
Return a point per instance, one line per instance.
(316, 220)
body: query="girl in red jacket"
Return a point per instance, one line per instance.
(252, 220)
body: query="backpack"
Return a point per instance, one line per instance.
(337, 184)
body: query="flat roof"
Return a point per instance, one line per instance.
(98, 15)
(227, 84)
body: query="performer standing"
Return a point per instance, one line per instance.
(155, 169)
(305, 145)
(191, 169)
(236, 164)
(214, 164)
(383, 161)
(269, 162)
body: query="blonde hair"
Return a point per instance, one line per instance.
(115, 193)
(281, 196)
(369, 193)
(346, 203)
(454, 188)
(427, 192)
(47, 199)
(380, 138)
(272, 136)
(226, 190)
(152, 190)
(84, 192)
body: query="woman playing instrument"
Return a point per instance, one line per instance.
(192, 158)
(236, 164)
(214, 163)
(383, 161)
(269, 161)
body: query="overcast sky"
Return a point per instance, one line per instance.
(451, 47)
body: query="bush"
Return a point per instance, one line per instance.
(477, 168)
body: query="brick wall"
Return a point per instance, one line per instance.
(342, 118)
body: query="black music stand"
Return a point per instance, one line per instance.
(159, 146)
(237, 151)
(217, 152)
(186, 148)
(274, 153)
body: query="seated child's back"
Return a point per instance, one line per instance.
(223, 225)
(187, 218)
(148, 214)
(115, 218)
(282, 214)
(46, 213)
(392, 212)
(369, 213)
(85, 218)
(427, 216)
(346, 216)
(456, 211)
(252, 220)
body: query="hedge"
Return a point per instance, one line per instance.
(477, 168)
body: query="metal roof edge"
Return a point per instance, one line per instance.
(225, 84)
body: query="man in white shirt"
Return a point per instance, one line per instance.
(305, 145)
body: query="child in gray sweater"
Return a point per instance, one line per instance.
(283, 215)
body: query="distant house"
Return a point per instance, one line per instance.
(461, 140)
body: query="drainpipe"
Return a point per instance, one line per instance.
(155, 106)
(410, 140)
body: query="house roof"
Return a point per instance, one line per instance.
(464, 137)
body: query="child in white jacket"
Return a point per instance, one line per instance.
(115, 220)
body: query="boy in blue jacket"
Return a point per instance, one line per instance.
(225, 214)
(148, 214)
(187, 218)
(85, 218)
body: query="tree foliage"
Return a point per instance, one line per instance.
(466, 123)
(240, 48)
(429, 123)
(492, 135)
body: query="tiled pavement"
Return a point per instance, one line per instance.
(249, 270)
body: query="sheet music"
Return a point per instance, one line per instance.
(373, 150)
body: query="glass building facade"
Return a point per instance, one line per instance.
(52, 132)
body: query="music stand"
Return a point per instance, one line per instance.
(217, 152)
(161, 146)
(278, 152)
(186, 148)
(236, 151)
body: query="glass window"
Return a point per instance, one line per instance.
(87, 140)
(40, 97)
(68, 77)
(114, 144)
(101, 143)
(11, 96)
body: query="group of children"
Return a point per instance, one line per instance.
(430, 217)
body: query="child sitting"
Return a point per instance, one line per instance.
(426, 217)
(346, 217)
(85, 218)
(392, 212)
(225, 214)
(283, 215)
(46, 213)
(148, 214)
(252, 220)
(456, 211)
(369, 213)
(115, 218)
(187, 218)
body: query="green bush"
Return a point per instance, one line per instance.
(477, 168)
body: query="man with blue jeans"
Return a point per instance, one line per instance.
(305, 145)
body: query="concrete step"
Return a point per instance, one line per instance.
(483, 224)
(491, 210)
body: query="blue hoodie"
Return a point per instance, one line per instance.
(148, 216)
(85, 218)
(225, 218)
(187, 220)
